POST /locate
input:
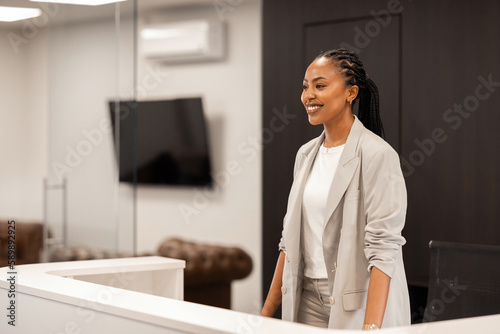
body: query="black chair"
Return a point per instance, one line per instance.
(464, 281)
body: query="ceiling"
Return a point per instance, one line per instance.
(75, 13)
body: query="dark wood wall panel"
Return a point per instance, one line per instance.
(427, 60)
(453, 185)
(282, 86)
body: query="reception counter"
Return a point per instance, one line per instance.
(143, 295)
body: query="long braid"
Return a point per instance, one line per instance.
(352, 69)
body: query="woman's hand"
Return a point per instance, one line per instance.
(273, 299)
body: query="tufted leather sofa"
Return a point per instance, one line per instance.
(79, 253)
(209, 269)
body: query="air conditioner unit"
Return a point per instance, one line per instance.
(185, 41)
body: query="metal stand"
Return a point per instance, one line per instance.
(50, 241)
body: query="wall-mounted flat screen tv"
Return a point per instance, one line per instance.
(165, 142)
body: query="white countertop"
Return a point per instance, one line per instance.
(49, 280)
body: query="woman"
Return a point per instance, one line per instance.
(340, 263)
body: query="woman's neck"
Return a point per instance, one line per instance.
(336, 133)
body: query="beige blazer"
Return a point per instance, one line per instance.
(366, 210)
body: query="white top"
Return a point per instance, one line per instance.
(314, 201)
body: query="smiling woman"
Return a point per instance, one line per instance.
(325, 95)
(339, 77)
(341, 264)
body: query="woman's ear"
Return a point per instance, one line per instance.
(353, 92)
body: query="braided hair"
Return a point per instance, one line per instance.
(352, 69)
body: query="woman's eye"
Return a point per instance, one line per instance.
(304, 87)
(320, 86)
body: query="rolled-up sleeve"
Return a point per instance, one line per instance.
(281, 245)
(385, 210)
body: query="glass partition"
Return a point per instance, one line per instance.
(91, 64)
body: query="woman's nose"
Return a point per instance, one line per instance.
(308, 95)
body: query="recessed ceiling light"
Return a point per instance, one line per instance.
(81, 2)
(11, 14)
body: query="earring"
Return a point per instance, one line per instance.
(350, 101)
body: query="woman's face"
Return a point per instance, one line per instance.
(325, 95)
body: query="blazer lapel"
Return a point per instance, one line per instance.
(293, 231)
(345, 171)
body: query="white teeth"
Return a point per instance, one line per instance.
(313, 108)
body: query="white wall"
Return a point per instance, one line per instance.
(23, 125)
(231, 91)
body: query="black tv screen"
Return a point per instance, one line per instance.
(164, 141)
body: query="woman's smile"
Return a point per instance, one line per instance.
(312, 108)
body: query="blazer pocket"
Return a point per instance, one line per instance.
(354, 300)
(352, 195)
